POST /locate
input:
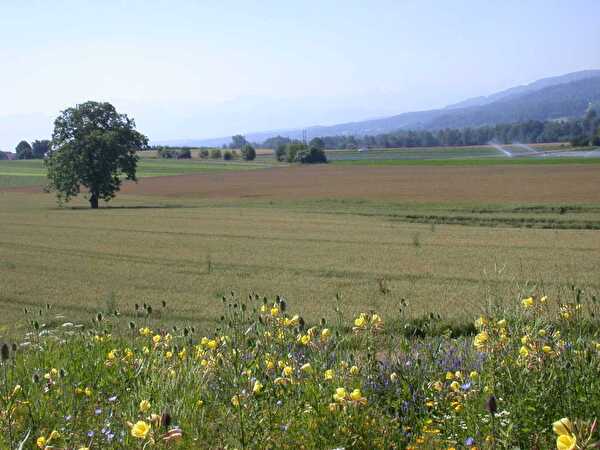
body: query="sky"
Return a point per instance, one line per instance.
(200, 69)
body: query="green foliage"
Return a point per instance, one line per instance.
(204, 153)
(317, 143)
(313, 155)
(577, 131)
(264, 378)
(3, 156)
(227, 155)
(92, 146)
(292, 149)
(40, 148)
(238, 141)
(24, 151)
(184, 153)
(280, 152)
(215, 153)
(248, 152)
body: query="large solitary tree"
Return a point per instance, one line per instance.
(95, 147)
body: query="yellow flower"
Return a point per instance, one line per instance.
(212, 344)
(527, 302)
(455, 386)
(257, 389)
(41, 442)
(481, 340)
(88, 392)
(340, 394)
(305, 339)
(393, 377)
(235, 400)
(437, 386)
(274, 311)
(329, 374)
(168, 355)
(524, 352)
(145, 406)
(112, 354)
(566, 442)
(353, 370)
(543, 299)
(501, 323)
(325, 334)
(140, 429)
(360, 321)
(356, 395)
(156, 338)
(145, 331)
(449, 376)
(547, 349)
(288, 371)
(83, 448)
(474, 375)
(563, 426)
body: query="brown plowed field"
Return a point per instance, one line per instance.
(421, 183)
(564, 183)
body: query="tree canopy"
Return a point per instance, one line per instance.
(40, 148)
(95, 147)
(248, 152)
(238, 141)
(23, 150)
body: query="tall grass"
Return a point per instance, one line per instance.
(267, 379)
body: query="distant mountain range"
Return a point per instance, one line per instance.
(546, 99)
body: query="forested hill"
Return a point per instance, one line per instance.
(553, 102)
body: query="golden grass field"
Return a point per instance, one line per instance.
(189, 250)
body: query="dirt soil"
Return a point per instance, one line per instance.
(566, 183)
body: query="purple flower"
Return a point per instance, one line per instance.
(98, 411)
(469, 441)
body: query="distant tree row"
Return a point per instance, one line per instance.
(298, 151)
(580, 132)
(37, 149)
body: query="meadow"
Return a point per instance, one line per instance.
(33, 173)
(125, 305)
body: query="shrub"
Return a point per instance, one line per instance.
(312, 156)
(215, 153)
(227, 155)
(248, 152)
(203, 153)
(184, 153)
(280, 152)
(292, 149)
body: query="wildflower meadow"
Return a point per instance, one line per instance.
(522, 377)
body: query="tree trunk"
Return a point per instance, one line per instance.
(94, 201)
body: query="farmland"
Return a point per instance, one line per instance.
(447, 239)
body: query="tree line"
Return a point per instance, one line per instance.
(579, 132)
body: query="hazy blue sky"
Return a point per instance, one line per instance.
(193, 69)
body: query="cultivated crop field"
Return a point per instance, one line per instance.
(33, 173)
(373, 235)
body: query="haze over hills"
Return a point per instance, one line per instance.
(545, 99)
